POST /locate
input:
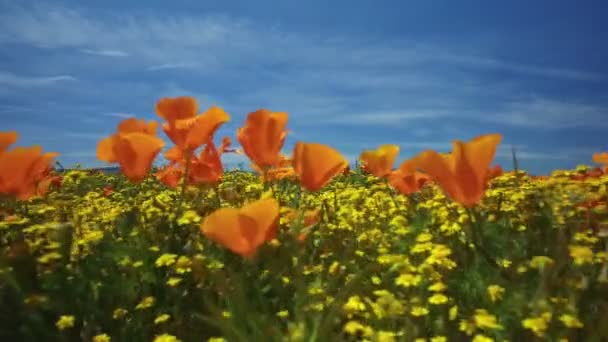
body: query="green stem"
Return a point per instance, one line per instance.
(178, 210)
(475, 239)
(217, 195)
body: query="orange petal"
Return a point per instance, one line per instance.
(14, 169)
(380, 162)
(207, 168)
(7, 139)
(439, 167)
(479, 153)
(205, 126)
(600, 158)
(316, 164)
(406, 180)
(263, 136)
(170, 175)
(42, 165)
(136, 153)
(174, 154)
(265, 213)
(472, 161)
(105, 150)
(134, 125)
(469, 186)
(177, 108)
(224, 227)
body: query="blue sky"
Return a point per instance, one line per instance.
(351, 74)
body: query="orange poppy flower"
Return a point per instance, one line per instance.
(316, 164)
(263, 136)
(282, 170)
(207, 168)
(135, 152)
(462, 174)
(380, 162)
(43, 187)
(311, 217)
(186, 129)
(177, 108)
(174, 155)
(105, 149)
(243, 230)
(7, 139)
(170, 175)
(494, 172)
(225, 147)
(22, 168)
(600, 158)
(406, 179)
(134, 125)
(40, 176)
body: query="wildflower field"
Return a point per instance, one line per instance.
(444, 247)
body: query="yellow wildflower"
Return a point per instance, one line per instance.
(166, 338)
(101, 338)
(407, 280)
(570, 321)
(483, 319)
(438, 299)
(119, 313)
(495, 292)
(453, 313)
(581, 254)
(418, 311)
(354, 327)
(166, 259)
(482, 338)
(538, 325)
(65, 322)
(162, 319)
(173, 281)
(145, 303)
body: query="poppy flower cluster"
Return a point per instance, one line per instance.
(134, 147)
(24, 171)
(462, 174)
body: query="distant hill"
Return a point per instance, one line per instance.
(110, 170)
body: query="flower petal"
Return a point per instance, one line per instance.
(316, 164)
(7, 139)
(105, 150)
(224, 227)
(177, 108)
(136, 153)
(600, 158)
(205, 126)
(265, 213)
(134, 125)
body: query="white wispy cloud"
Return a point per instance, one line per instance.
(119, 115)
(166, 66)
(549, 114)
(106, 53)
(387, 118)
(308, 76)
(536, 70)
(13, 80)
(162, 40)
(531, 155)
